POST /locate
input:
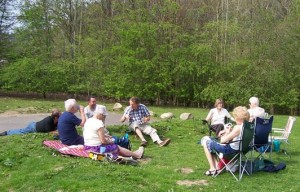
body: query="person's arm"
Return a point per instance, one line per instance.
(54, 132)
(125, 115)
(85, 112)
(229, 116)
(104, 139)
(209, 115)
(229, 135)
(83, 119)
(145, 113)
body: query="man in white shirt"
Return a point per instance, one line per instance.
(92, 107)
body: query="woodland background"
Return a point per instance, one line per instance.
(168, 52)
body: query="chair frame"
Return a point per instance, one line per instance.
(260, 141)
(244, 148)
(285, 133)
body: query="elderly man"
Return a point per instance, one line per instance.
(255, 110)
(138, 116)
(67, 124)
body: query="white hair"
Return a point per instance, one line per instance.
(99, 111)
(69, 104)
(254, 101)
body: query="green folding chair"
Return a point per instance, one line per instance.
(239, 158)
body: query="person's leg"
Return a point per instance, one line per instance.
(29, 129)
(136, 127)
(139, 134)
(210, 159)
(126, 153)
(78, 141)
(148, 130)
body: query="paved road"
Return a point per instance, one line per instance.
(16, 121)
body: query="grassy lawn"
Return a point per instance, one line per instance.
(25, 165)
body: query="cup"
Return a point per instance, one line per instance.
(102, 150)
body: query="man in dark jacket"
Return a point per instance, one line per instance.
(46, 125)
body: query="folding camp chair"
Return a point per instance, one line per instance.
(261, 142)
(284, 134)
(239, 158)
(206, 123)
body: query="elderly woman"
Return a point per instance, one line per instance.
(229, 134)
(216, 116)
(254, 109)
(95, 139)
(67, 123)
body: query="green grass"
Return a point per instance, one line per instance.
(25, 165)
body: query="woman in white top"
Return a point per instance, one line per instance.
(229, 134)
(255, 110)
(216, 117)
(96, 140)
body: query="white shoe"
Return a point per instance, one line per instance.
(140, 152)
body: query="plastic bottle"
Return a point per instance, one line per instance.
(276, 145)
(261, 149)
(126, 136)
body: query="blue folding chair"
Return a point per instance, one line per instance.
(261, 142)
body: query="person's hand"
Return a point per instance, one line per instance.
(221, 133)
(228, 128)
(251, 119)
(146, 119)
(124, 118)
(81, 108)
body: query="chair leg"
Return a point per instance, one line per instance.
(285, 151)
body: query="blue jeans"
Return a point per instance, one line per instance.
(29, 129)
(213, 146)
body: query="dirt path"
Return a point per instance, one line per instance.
(15, 120)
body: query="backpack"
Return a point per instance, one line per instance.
(123, 141)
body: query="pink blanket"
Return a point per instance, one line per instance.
(75, 150)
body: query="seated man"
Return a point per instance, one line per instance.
(48, 124)
(67, 124)
(138, 116)
(92, 107)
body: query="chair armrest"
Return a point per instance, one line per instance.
(279, 132)
(277, 129)
(204, 122)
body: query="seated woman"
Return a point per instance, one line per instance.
(217, 115)
(95, 139)
(211, 146)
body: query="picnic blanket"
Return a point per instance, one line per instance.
(77, 150)
(74, 150)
